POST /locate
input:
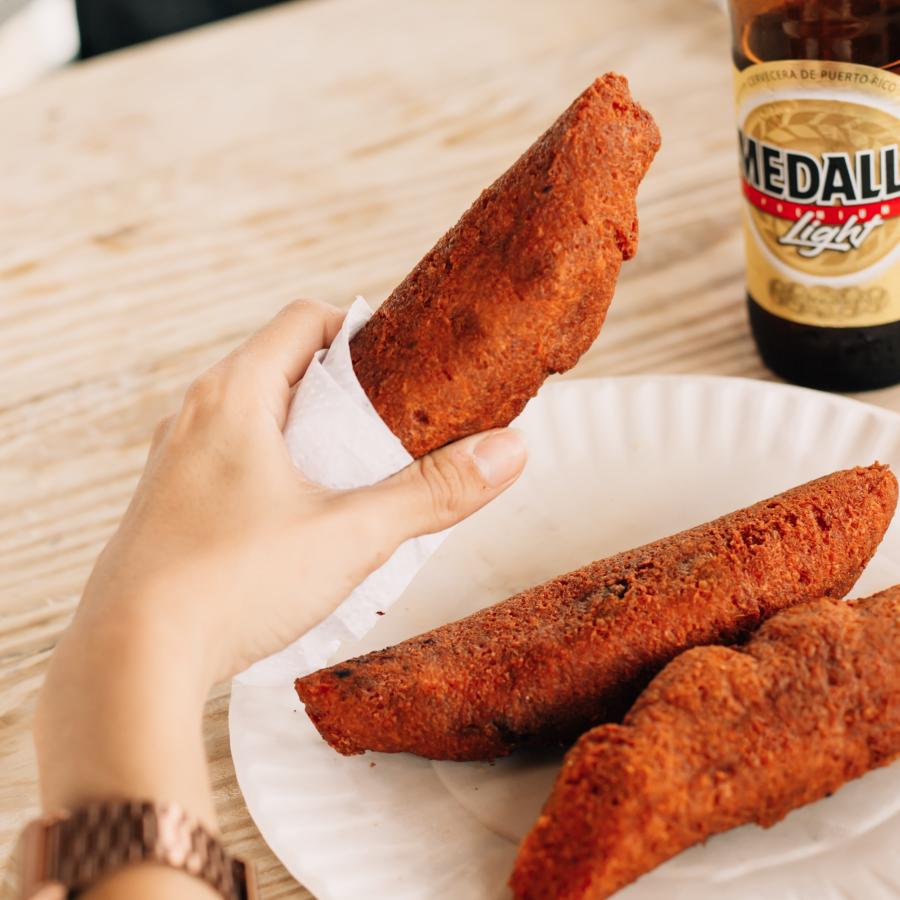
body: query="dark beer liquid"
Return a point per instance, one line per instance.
(865, 32)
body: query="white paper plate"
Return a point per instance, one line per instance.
(613, 463)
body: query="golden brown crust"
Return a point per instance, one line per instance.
(556, 659)
(720, 738)
(519, 287)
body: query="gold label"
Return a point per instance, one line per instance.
(820, 173)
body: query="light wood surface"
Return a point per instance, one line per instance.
(158, 204)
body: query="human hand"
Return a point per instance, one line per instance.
(225, 540)
(226, 554)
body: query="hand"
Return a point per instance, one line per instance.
(226, 543)
(225, 555)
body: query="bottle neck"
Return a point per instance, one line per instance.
(865, 32)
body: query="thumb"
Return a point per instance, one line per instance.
(442, 488)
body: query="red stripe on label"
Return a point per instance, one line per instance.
(828, 215)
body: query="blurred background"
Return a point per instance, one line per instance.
(37, 36)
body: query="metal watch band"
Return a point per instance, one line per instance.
(74, 850)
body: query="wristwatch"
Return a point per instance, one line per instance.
(63, 854)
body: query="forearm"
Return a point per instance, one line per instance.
(119, 717)
(225, 555)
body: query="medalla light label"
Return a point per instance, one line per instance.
(820, 170)
(824, 180)
(822, 192)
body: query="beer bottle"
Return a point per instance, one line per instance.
(817, 89)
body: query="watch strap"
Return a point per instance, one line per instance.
(76, 849)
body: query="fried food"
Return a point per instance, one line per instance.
(519, 287)
(552, 661)
(722, 737)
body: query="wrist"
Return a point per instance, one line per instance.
(119, 716)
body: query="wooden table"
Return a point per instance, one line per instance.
(158, 204)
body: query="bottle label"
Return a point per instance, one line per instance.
(820, 172)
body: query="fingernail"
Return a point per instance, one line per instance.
(500, 456)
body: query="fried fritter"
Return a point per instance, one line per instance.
(552, 661)
(722, 737)
(519, 287)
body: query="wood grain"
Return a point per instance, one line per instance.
(158, 204)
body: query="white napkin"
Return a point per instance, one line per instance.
(336, 438)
